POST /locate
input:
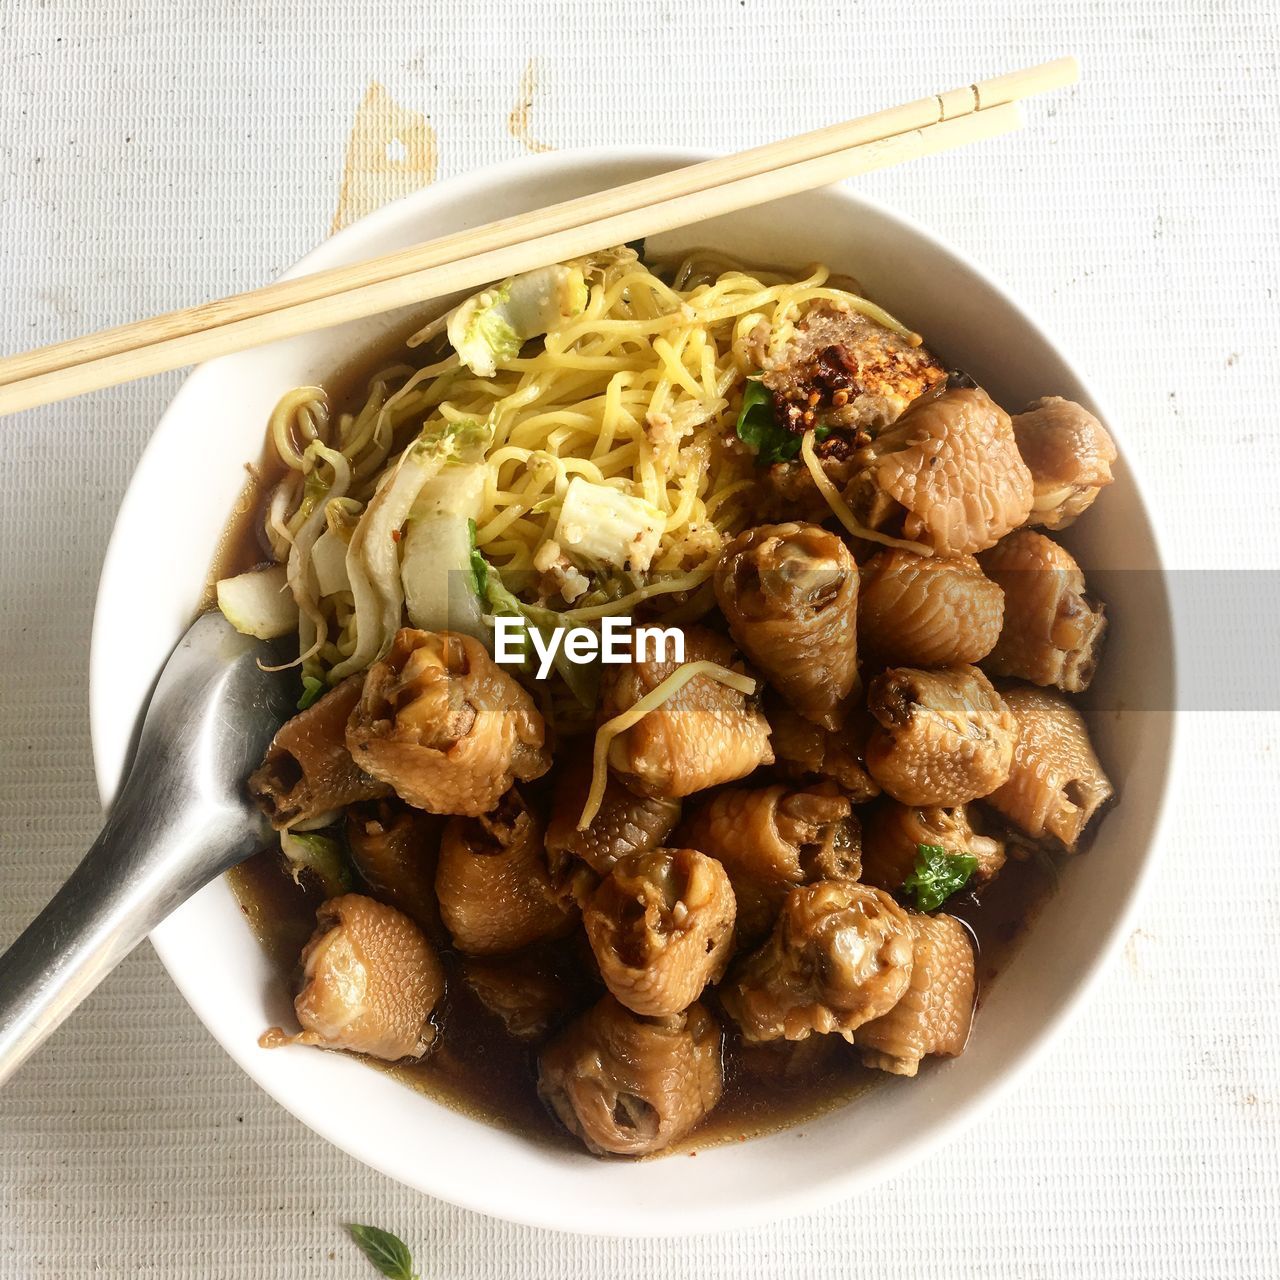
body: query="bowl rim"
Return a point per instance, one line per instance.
(912, 1146)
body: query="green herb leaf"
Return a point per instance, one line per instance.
(759, 427)
(321, 855)
(938, 874)
(479, 565)
(388, 1253)
(312, 688)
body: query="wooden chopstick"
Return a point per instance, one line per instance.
(468, 259)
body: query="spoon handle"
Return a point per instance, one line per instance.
(182, 817)
(148, 859)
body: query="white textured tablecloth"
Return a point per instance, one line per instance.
(154, 154)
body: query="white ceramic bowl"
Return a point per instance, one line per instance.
(169, 525)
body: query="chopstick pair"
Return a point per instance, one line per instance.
(468, 259)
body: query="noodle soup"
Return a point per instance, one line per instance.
(687, 896)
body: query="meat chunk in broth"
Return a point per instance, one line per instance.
(1052, 630)
(853, 371)
(394, 848)
(527, 991)
(445, 726)
(892, 834)
(704, 734)
(626, 823)
(926, 611)
(770, 839)
(308, 772)
(947, 475)
(943, 737)
(661, 928)
(370, 981)
(632, 1086)
(493, 884)
(935, 1014)
(806, 750)
(1056, 784)
(1069, 454)
(790, 594)
(839, 956)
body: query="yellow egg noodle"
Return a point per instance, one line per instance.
(637, 392)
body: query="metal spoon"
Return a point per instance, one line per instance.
(181, 818)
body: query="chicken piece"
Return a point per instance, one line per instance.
(803, 749)
(704, 734)
(1069, 455)
(1052, 630)
(924, 611)
(626, 823)
(786, 490)
(526, 991)
(947, 474)
(845, 369)
(308, 771)
(492, 882)
(944, 737)
(394, 848)
(770, 839)
(631, 1086)
(839, 956)
(445, 726)
(892, 834)
(369, 983)
(661, 928)
(1056, 784)
(790, 595)
(935, 1015)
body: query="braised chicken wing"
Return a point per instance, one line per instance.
(839, 956)
(626, 823)
(790, 595)
(704, 734)
(847, 369)
(661, 928)
(492, 881)
(942, 738)
(892, 834)
(1052, 630)
(925, 611)
(770, 839)
(394, 848)
(628, 1085)
(935, 1014)
(947, 474)
(370, 981)
(308, 771)
(1056, 784)
(445, 726)
(1069, 455)
(803, 749)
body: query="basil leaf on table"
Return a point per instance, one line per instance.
(388, 1253)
